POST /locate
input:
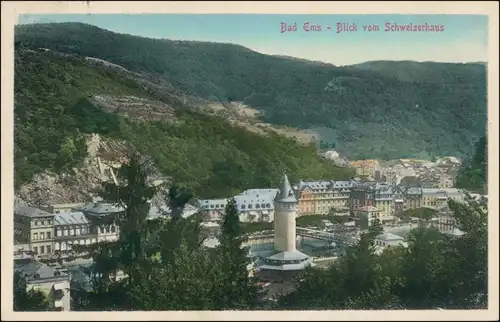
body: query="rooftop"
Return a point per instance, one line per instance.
(23, 210)
(70, 218)
(389, 237)
(289, 256)
(99, 208)
(33, 270)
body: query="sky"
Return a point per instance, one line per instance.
(464, 38)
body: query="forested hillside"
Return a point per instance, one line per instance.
(54, 109)
(431, 72)
(382, 110)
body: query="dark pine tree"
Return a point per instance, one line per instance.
(238, 290)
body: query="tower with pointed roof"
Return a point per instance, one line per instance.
(285, 207)
(286, 257)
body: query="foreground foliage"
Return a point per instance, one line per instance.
(28, 300)
(434, 271)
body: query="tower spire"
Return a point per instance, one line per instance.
(286, 193)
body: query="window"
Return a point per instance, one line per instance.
(48, 249)
(65, 232)
(48, 235)
(42, 235)
(250, 206)
(35, 236)
(35, 222)
(107, 230)
(42, 249)
(257, 205)
(35, 250)
(243, 206)
(113, 229)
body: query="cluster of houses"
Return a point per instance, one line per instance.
(353, 197)
(424, 173)
(50, 232)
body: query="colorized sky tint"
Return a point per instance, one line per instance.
(464, 38)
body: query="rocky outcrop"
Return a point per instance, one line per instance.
(81, 184)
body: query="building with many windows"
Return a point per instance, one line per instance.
(35, 228)
(72, 228)
(103, 219)
(365, 168)
(254, 205)
(320, 197)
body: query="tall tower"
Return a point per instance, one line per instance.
(285, 208)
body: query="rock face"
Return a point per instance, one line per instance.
(104, 158)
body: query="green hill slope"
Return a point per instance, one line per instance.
(54, 108)
(373, 113)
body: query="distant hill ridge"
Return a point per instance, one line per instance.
(375, 109)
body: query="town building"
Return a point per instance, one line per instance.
(212, 209)
(254, 205)
(387, 240)
(410, 181)
(383, 199)
(413, 197)
(438, 198)
(389, 175)
(103, 218)
(365, 168)
(367, 215)
(445, 181)
(35, 228)
(378, 195)
(398, 197)
(53, 283)
(429, 182)
(404, 169)
(72, 228)
(320, 197)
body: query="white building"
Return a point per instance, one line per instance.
(72, 228)
(254, 205)
(387, 240)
